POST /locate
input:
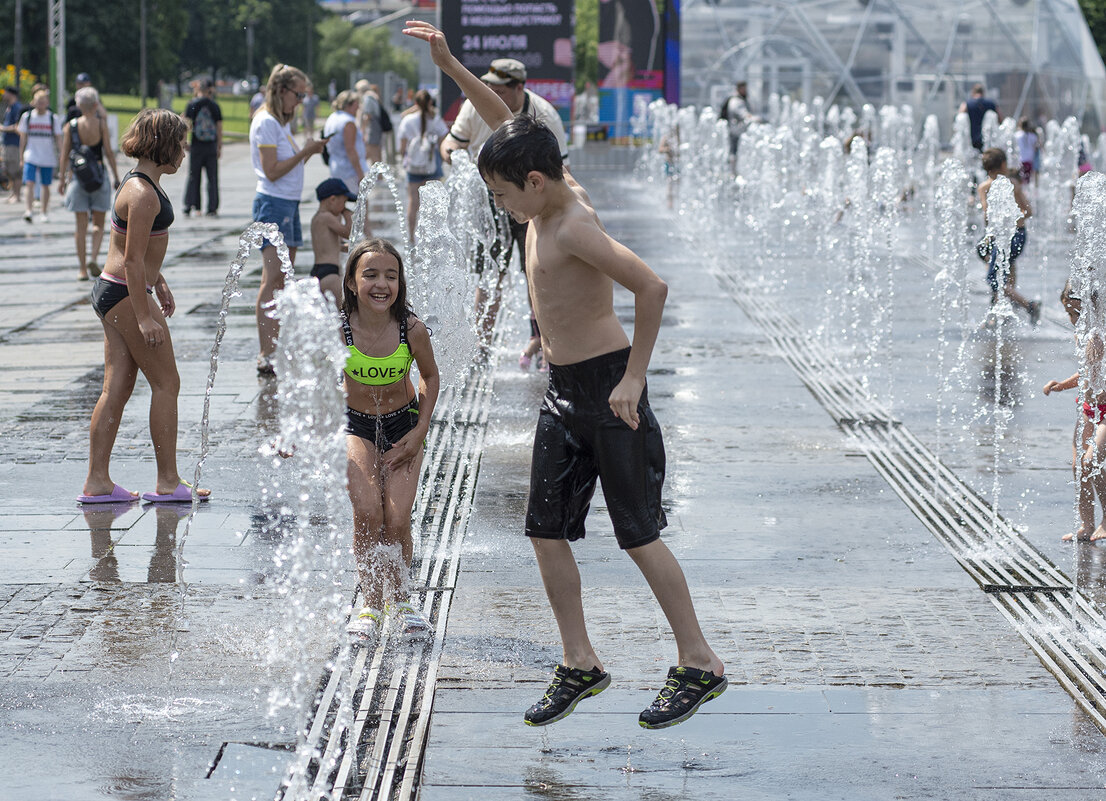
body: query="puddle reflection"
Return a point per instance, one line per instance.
(163, 561)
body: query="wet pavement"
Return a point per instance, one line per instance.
(864, 662)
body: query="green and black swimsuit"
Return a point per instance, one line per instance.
(383, 430)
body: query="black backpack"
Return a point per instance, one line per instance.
(88, 171)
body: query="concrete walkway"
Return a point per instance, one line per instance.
(864, 663)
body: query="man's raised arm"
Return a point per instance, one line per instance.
(487, 103)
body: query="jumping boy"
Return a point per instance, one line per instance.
(329, 228)
(595, 420)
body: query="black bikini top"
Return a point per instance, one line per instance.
(164, 216)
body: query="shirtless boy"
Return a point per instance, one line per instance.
(596, 376)
(329, 228)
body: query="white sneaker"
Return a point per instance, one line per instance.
(408, 623)
(366, 624)
(42, 218)
(27, 216)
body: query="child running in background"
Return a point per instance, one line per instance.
(387, 425)
(994, 162)
(1088, 452)
(595, 421)
(329, 228)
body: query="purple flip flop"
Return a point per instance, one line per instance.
(182, 494)
(118, 494)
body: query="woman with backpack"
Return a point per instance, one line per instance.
(419, 134)
(83, 181)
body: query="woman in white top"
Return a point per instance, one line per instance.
(278, 162)
(419, 134)
(344, 146)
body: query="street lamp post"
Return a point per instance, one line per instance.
(353, 54)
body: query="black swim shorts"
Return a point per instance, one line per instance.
(321, 271)
(579, 439)
(383, 430)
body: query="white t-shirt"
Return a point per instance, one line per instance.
(472, 132)
(1027, 144)
(41, 130)
(266, 131)
(410, 127)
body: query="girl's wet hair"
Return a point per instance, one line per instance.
(282, 77)
(993, 159)
(349, 293)
(521, 146)
(156, 134)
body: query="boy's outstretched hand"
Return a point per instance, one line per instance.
(439, 50)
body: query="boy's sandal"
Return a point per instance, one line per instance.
(683, 693)
(569, 687)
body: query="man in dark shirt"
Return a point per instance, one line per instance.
(975, 107)
(205, 118)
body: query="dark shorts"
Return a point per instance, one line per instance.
(105, 294)
(321, 271)
(579, 439)
(1017, 245)
(383, 430)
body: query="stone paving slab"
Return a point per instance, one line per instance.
(865, 664)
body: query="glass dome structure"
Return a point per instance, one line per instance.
(1036, 58)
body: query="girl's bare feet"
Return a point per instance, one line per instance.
(1082, 534)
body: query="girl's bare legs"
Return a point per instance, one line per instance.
(272, 279)
(120, 372)
(382, 502)
(80, 234)
(125, 352)
(1098, 478)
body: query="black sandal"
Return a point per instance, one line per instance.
(569, 687)
(683, 693)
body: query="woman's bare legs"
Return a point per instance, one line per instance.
(97, 235)
(412, 208)
(80, 235)
(272, 279)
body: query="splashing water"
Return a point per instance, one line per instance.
(312, 556)
(441, 285)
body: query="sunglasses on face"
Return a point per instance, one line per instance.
(299, 95)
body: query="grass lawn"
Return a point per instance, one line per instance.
(236, 111)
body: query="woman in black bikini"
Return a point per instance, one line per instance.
(136, 336)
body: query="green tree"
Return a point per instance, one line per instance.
(375, 53)
(1095, 13)
(587, 42)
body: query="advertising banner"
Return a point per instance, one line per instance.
(539, 33)
(638, 57)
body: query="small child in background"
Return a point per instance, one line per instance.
(1088, 451)
(330, 228)
(1027, 144)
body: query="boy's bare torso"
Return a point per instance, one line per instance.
(325, 243)
(573, 301)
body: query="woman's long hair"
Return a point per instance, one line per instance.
(423, 101)
(282, 77)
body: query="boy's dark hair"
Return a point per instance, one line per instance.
(993, 159)
(349, 296)
(156, 134)
(521, 146)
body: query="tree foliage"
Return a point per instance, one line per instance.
(199, 37)
(374, 52)
(587, 41)
(1095, 13)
